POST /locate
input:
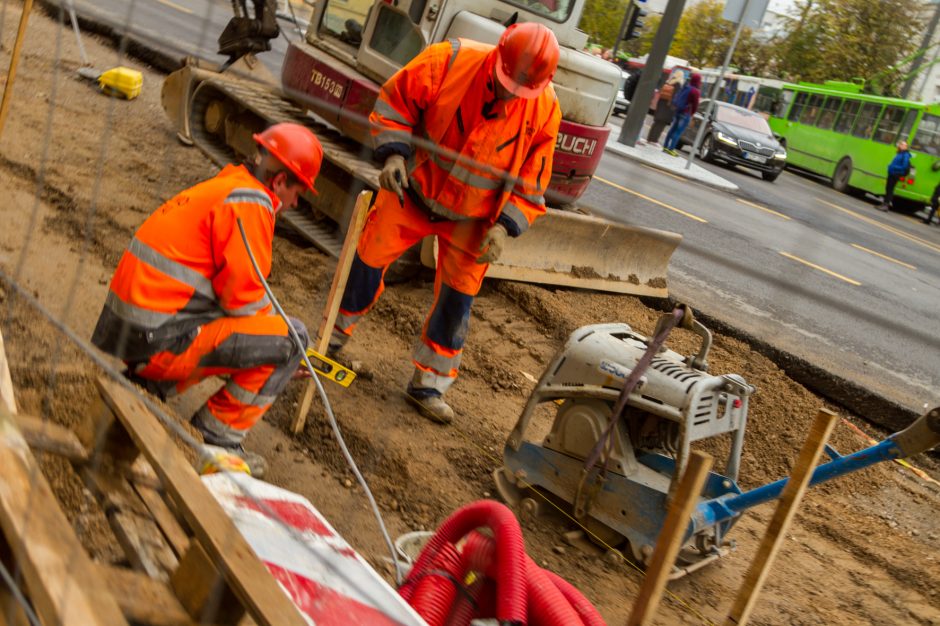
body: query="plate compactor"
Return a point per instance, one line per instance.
(616, 474)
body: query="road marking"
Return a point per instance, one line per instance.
(883, 226)
(653, 200)
(173, 5)
(884, 256)
(821, 269)
(763, 208)
(659, 171)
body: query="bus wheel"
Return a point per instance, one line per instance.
(840, 180)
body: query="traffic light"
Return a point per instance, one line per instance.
(634, 22)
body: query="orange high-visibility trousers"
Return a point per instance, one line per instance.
(256, 355)
(391, 229)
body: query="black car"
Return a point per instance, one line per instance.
(737, 136)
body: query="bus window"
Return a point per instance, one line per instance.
(811, 110)
(889, 125)
(797, 107)
(909, 120)
(781, 103)
(846, 118)
(865, 125)
(927, 137)
(829, 113)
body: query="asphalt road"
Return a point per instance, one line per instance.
(817, 273)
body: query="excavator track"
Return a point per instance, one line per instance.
(269, 106)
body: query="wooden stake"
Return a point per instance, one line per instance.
(340, 277)
(786, 509)
(14, 61)
(670, 539)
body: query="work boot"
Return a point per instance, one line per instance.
(883, 207)
(255, 462)
(432, 407)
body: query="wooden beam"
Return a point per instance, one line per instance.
(143, 600)
(670, 539)
(786, 509)
(202, 590)
(230, 553)
(337, 288)
(7, 397)
(164, 518)
(58, 573)
(46, 436)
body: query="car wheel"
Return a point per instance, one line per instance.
(771, 176)
(840, 180)
(706, 151)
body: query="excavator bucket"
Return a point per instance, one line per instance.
(575, 250)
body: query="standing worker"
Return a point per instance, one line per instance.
(899, 167)
(185, 302)
(685, 104)
(467, 133)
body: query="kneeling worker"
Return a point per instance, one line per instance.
(467, 133)
(185, 302)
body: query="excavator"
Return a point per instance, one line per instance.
(330, 81)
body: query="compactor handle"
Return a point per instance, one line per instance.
(688, 322)
(920, 436)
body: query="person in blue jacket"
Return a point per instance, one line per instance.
(899, 167)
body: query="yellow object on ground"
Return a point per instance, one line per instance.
(121, 81)
(214, 461)
(329, 368)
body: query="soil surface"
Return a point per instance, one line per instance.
(80, 172)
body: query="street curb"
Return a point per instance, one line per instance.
(861, 401)
(624, 151)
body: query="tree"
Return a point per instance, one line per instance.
(703, 36)
(601, 20)
(845, 39)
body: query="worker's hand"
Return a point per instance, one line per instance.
(394, 176)
(492, 244)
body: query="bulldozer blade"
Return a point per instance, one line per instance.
(574, 250)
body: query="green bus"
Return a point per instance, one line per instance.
(835, 130)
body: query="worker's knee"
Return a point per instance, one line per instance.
(450, 318)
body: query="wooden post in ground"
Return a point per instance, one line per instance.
(14, 61)
(670, 539)
(346, 256)
(786, 509)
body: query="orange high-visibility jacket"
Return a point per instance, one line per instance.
(493, 161)
(187, 265)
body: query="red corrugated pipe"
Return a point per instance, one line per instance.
(436, 589)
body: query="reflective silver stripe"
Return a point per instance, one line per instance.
(455, 48)
(220, 433)
(386, 110)
(178, 271)
(248, 397)
(434, 207)
(392, 136)
(537, 200)
(250, 196)
(461, 173)
(345, 321)
(432, 360)
(249, 309)
(430, 380)
(135, 314)
(514, 213)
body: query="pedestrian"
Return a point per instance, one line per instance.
(899, 167)
(467, 133)
(934, 201)
(685, 104)
(664, 112)
(185, 302)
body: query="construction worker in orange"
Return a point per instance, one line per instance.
(467, 134)
(185, 302)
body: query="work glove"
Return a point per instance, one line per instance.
(394, 176)
(492, 245)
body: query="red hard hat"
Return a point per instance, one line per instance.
(526, 58)
(296, 147)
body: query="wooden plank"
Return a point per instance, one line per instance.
(203, 592)
(44, 435)
(101, 433)
(786, 509)
(670, 539)
(57, 571)
(337, 288)
(243, 570)
(142, 599)
(7, 397)
(164, 518)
